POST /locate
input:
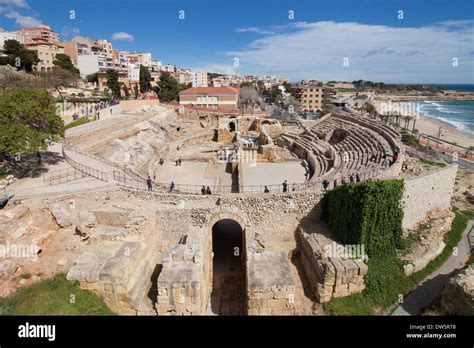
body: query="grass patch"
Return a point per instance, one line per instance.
(53, 297)
(3, 174)
(386, 278)
(433, 163)
(78, 122)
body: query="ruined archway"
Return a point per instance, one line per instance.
(228, 294)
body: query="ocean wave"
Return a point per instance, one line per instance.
(431, 103)
(447, 111)
(456, 124)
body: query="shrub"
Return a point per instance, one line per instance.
(366, 213)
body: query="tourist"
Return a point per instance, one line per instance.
(293, 187)
(334, 183)
(208, 190)
(395, 157)
(177, 147)
(203, 190)
(266, 190)
(358, 175)
(38, 156)
(172, 186)
(351, 178)
(325, 184)
(343, 181)
(179, 162)
(149, 184)
(307, 174)
(161, 161)
(285, 186)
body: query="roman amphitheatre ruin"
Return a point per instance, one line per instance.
(247, 247)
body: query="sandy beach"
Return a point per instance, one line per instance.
(430, 126)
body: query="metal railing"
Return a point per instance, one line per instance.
(134, 181)
(96, 173)
(62, 175)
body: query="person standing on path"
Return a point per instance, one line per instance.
(149, 184)
(285, 186)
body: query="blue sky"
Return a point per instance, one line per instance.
(326, 40)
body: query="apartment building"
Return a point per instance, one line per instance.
(90, 55)
(46, 52)
(5, 35)
(199, 79)
(313, 97)
(213, 98)
(40, 32)
(169, 68)
(140, 58)
(184, 75)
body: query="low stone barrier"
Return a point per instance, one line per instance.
(329, 275)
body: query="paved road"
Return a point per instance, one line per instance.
(429, 288)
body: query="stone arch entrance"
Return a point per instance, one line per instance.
(228, 291)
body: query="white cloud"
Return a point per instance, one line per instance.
(217, 68)
(23, 21)
(374, 52)
(14, 3)
(69, 31)
(10, 8)
(121, 36)
(254, 30)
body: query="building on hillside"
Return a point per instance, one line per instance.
(156, 65)
(313, 97)
(41, 32)
(341, 85)
(102, 79)
(169, 68)
(213, 98)
(5, 35)
(87, 53)
(140, 58)
(199, 79)
(183, 75)
(46, 52)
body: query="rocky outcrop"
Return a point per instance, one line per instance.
(458, 294)
(61, 215)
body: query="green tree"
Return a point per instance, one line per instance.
(92, 78)
(288, 87)
(64, 62)
(125, 91)
(168, 87)
(18, 56)
(145, 77)
(113, 83)
(25, 126)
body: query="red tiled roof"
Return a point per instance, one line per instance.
(210, 90)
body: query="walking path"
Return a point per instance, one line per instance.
(37, 187)
(429, 288)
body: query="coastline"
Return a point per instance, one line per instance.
(429, 125)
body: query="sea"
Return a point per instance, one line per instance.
(459, 114)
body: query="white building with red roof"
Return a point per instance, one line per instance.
(212, 98)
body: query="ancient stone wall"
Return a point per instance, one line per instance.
(270, 286)
(183, 284)
(329, 275)
(119, 271)
(427, 192)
